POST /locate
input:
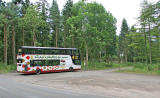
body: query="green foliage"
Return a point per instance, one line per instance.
(123, 43)
(66, 14)
(94, 27)
(94, 65)
(7, 68)
(54, 14)
(55, 21)
(31, 21)
(142, 68)
(87, 26)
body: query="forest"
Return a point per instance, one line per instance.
(87, 26)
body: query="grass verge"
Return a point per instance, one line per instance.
(102, 65)
(138, 68)
(7, 68)
(141, 68)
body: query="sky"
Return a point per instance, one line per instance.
(128, 9)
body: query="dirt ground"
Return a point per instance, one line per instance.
(104, 82)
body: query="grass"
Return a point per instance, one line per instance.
(141, 68)
(102, 65)
(138, 68)
(6, 68)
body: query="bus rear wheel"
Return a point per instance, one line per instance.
(38, 71)
(71, 69)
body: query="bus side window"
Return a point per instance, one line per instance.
(68, 52)
(56, 62)
(77, 62)
(31, 63)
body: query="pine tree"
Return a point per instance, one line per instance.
(42, 37)
(55, 20)
(67, 13)
(123, 39)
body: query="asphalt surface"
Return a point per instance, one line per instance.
(12, 89)
(80, 84)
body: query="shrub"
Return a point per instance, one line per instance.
(6, 68)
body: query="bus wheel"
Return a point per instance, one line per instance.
(38, 71)
(71, 69)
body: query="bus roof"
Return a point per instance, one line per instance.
(33, 47)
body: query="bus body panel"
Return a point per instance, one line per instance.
(26, 59)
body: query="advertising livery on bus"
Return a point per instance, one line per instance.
(47, 59)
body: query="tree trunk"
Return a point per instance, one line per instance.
(64, 37)
(72, 41)
(150, 47)
(86, 55)
(13, 45)
(119, 58)
(34, 38)
(23, 36)
(64, 40)
(125, 53)
(111, 59)
(145, 45)
(100, 56)
(5, 43)
(56, 36)
(125, 49)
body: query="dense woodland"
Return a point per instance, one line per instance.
(87, 26)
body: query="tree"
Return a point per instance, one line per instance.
(123, 39)
(33, 20)
(67, 13)
(42, 37)
(89, 27)
(55, 20)
(13, 20)
(4, 16)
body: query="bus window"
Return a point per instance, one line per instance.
(56, 62)
(68, 52)
(38, 51)
(77, 62)
(44, 62)
(75, 52)
(37, 62)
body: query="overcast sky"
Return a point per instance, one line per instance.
(128, 9)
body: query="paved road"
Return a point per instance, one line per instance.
(12, 89)
(81, 84)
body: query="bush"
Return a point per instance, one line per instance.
(95, 65)
(6, 68)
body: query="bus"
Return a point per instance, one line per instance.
(38, 60)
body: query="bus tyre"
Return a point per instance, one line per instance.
(38, 71)
(71, 69)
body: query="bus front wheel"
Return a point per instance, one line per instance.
(38, 71)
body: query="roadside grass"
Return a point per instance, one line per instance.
(103, 65)
(7, 68)
(141, 68)
(138, 68)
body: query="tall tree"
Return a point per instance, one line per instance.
(89, 26)
(55, 20)
(67, 13)
(123, 39)
(33, 20)
(43, 7)
(13, 21)
(4, 15)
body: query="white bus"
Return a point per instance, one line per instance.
(47, 59)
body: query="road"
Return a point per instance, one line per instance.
(10, 88)
(81, 84)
